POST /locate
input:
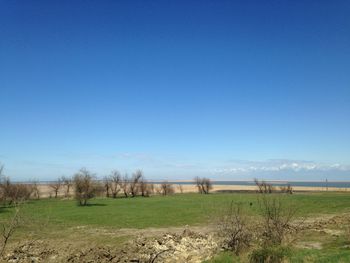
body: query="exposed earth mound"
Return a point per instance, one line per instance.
(186, 247)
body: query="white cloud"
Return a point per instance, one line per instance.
(277, 166)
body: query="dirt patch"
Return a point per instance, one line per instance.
(326, 222)
(189, 246)
(309, 245)
(146, 232)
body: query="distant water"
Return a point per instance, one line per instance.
(337, 184)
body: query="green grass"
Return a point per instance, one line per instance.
(321, 256)
(224, 257)
(299, 256)
(159, 211)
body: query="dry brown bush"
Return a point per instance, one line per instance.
(277, 218)
(7, 229)
(277, 233)
(235, 229)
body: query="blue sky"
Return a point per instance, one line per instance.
(225, 89)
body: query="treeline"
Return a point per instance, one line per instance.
(84, 185)
(12, 193)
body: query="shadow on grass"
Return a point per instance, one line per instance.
(4, 209)
(93, 204)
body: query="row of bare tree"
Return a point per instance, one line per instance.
(133, 186)
(267, 188)
(85, 186)
(114, 185)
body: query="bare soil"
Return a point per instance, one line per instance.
(168, 245)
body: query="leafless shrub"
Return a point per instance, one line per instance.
(134, 183)
(263, 187)
(166, 188)
(288, 189)
(8, 228)
(56, 186)
(277, 220)
(204, 185)
(145, 188)
(276, 232)
(67, 182)
(235, 229)
(85, 188)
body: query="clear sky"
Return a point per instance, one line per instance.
(226, 89)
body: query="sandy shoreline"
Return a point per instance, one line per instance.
(47, 191)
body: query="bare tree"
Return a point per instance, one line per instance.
(134, 183)
(124, 185)
(181, 189)
(207, 185)
(67, 183)
(263, 187)
(115, 180)
(145, 188)
(197, 181)
(166, 188)
(107, 182)
(56, 186)
(204, 185)
(84, 186)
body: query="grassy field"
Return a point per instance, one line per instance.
(63, 219)
(159, 211)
